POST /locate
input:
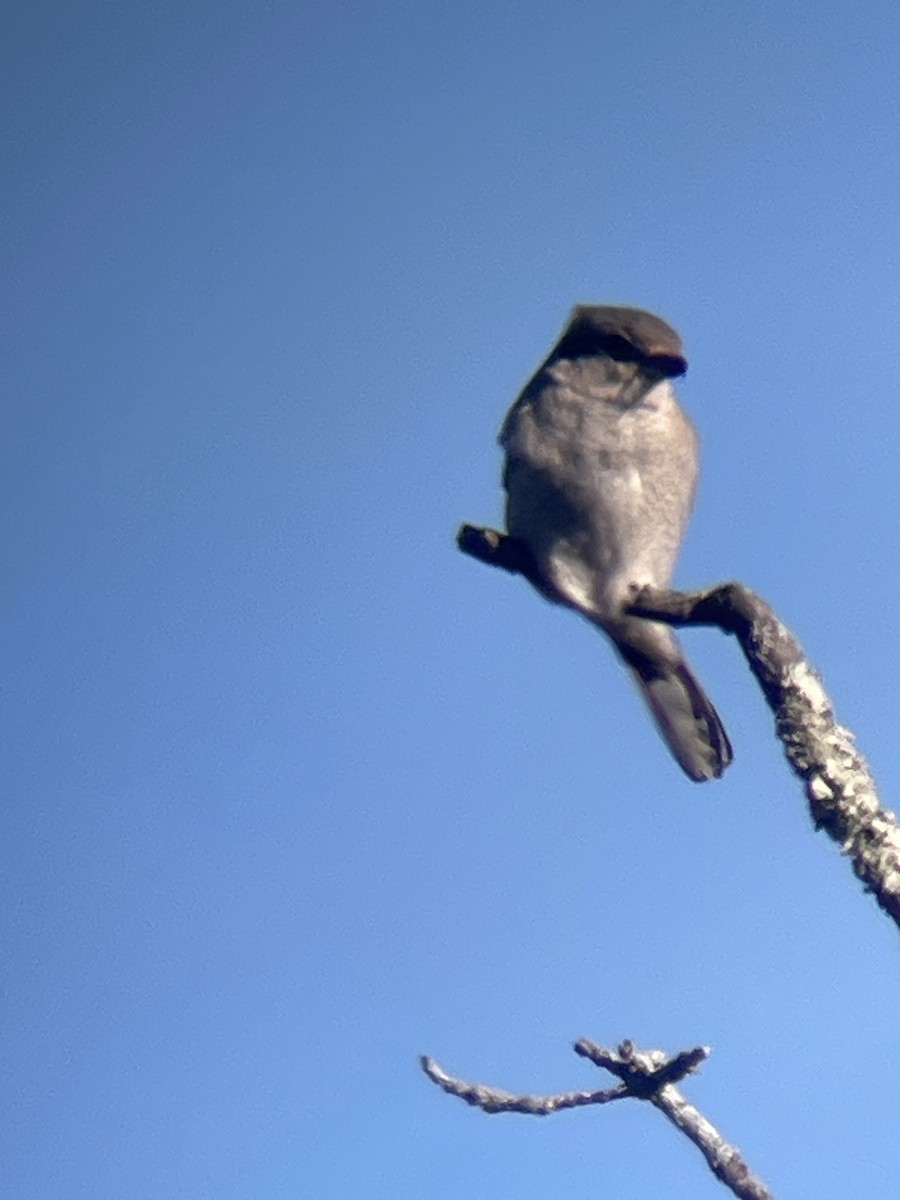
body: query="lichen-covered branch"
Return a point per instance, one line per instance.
(841, 792)
(643, 1075)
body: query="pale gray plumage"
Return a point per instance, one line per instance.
(601, 466)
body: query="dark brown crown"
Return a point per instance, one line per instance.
(625, 334)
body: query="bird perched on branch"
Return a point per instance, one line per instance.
(601, 468)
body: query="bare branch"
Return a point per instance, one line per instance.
(651, 1075)
(500, 550)
(495, 1100)
(840, 790)
(644, 1075)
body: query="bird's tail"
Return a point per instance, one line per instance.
(684, 715)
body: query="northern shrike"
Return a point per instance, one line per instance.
(601, 466)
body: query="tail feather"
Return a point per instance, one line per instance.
(685, 717)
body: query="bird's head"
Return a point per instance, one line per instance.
(625, 335)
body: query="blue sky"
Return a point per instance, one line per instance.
(294, 792)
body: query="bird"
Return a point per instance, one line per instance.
(600, 472)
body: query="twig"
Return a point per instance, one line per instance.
(644, 1075)
(840, 790)
(496, 1100)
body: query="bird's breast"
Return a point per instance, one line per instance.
(599, 490)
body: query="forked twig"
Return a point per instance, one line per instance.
(643, 1075)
